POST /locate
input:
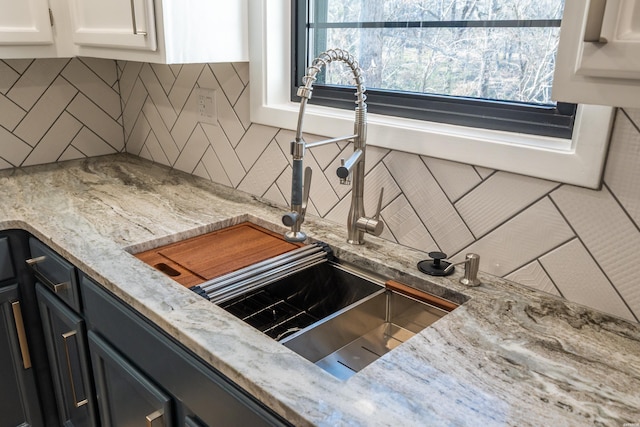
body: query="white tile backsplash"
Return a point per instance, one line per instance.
(158, 96)
(56, 141)
(533, 275)
(34, 80)
(254, 143)
(429, 201)
(580, 279)
(264, 171)
(229, 80)
(456, 179)
(402, 222)
(96, 119)
(58, 109)
(8, 77)
(608, 233)
(45, 111)
(560, 239)
(10, 113)
(193, 151)
(500, 197)
(89, 83)
(229, 162)
(13, 150)
(622, 174)
(521, 239)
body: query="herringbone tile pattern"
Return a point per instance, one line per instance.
(565, 240)
(58, 109)
(539, 233)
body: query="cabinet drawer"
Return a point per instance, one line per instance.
(6, 266)
(55, 272)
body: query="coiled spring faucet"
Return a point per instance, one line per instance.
(350, 170)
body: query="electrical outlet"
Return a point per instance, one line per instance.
(207, 111)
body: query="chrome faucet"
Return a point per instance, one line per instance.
(350, 170)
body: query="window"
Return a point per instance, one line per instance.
(486, 64)
(577, 160)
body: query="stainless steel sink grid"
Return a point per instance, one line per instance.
(336, 317)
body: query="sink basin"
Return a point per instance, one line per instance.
(293, 303)
(334, 316)
(345, 343)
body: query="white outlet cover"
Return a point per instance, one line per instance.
(206, 106)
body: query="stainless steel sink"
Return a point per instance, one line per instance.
(336, 317)
(297, 301)
(351, 339)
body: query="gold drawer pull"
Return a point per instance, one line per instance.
(55, 287)
(66, 337)
(22, 335)
(155, 416)
(33, 261)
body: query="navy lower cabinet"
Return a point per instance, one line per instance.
(125, 396)
(140, 370)
(68, 353)
(19, 404)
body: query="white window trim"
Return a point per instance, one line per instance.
(579, 161)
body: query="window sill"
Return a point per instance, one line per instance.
(579, 161)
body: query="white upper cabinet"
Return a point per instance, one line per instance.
(128, 24)
(599, 53)
(25, 22)
(161, 31)
(27, 30)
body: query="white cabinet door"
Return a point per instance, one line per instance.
(177, 31)
(25, 22)
(599, 53)
(126, 24)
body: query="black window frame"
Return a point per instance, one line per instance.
(551, 121)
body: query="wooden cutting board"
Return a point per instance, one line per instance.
(204, 257)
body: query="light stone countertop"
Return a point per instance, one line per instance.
(509, 356)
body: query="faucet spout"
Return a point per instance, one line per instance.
(357, 222)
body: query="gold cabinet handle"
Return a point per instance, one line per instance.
(22, 335)
(33, 261)
(154, 418)
(55, 287)
(66, 337)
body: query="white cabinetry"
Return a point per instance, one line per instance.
(164, 31)
(27, 30)
(599, 54)
(160, 31)
(128, 24)
(25, 22)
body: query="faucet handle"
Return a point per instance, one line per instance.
(379, 208)
(373, 225)
(306, 189)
